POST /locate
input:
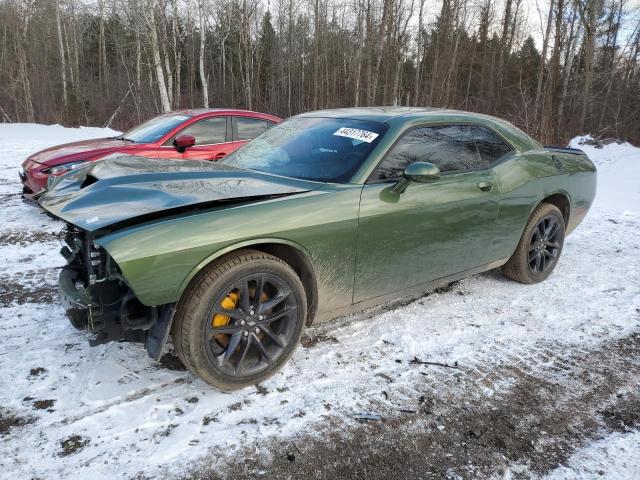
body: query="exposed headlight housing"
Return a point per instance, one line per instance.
(65, 167)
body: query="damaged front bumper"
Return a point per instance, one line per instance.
(98, 300)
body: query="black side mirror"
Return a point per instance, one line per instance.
(419, 172)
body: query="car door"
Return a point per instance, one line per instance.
(212, 140)
(432, 230)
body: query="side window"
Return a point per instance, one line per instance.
(249, 128)
(206, 132)
(451, 148)
(490, 146)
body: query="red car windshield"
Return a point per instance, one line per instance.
(154, 129)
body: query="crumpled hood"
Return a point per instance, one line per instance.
(124, 187)
(69, 152)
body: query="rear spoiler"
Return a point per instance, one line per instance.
(571, 151)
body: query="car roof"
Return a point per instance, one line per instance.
(378, 114)
(398, 116)
(195, 112)
(389, 114)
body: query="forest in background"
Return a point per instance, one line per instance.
(118, 62)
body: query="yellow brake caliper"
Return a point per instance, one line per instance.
(220, 320)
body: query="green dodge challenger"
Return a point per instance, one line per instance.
(327, 213)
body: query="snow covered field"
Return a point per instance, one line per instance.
(535, 381)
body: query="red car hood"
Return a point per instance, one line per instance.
(77, 151)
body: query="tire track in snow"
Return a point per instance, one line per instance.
(128, 398)
(550, 409)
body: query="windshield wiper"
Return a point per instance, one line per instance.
(122, 137)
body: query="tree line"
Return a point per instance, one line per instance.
(118, 62)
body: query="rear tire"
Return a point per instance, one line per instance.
(240, 319)
(539, 248)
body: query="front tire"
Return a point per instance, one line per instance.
(240, 320)
(539, 248)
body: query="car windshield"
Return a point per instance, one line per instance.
(154, 129)
(318, 149)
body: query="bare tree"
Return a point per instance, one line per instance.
(203, 33)
(155, 48)
(589, 11)
(63, 63)
(120, 61)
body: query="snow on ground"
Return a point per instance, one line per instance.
(110, 412)
(615, 456)
(18, 141)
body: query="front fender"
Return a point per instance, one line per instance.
(237, 246)
(157, 271)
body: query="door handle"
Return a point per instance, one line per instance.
(485, 186)
(218, 156)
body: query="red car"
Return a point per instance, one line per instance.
(199, 134)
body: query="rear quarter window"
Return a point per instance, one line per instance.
(491, 147)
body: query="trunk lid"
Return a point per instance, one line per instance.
(567, 150)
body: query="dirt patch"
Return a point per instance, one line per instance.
(43, 404)
(536, 424)
(26, 237)
(448, 288)
(309, 341)
(36, 372)
(164, 432)
(17, 293)
(206, 420)
(9, 420)
(172, 362)
(73, 444)
(624, 414)
(261, 390)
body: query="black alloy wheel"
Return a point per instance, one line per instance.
(257, 329)
(544, 246)
(540, 246)
(240, 319)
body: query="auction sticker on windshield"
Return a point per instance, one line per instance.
(356, 134)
